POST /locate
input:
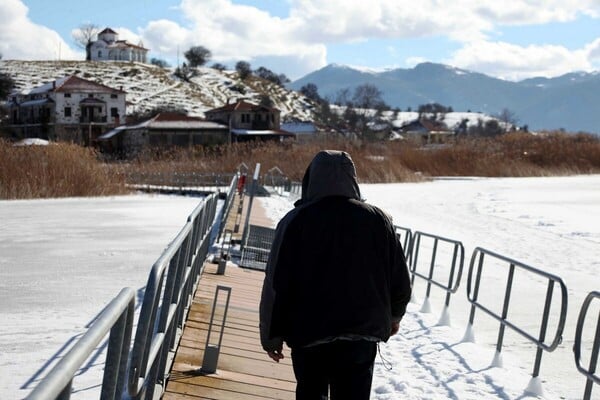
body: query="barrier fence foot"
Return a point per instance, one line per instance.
(445, 317)
(469, 336)
(535, 387)
(426, 307)
(497, 362)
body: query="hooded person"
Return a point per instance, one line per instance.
(336, 283)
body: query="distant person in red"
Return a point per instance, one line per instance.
(241, 183)
(336, 284)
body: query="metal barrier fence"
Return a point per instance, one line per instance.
(540, 341)
(590, 372)
(168, 294)
(255, 252)
(116, 318)
(451, 281)
(405, 235)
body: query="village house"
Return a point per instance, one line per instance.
(248, 121)
(426, 131)
(68, 109)
(163, 130)
(108, 47)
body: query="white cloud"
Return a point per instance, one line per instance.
(514, 62)
(22, 39)
(464, 20)
(236, 32)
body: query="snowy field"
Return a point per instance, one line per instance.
(552, 224)
(62, 260)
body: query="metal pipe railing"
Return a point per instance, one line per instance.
(590, 372)
(405, 236)
(116, 319)
(552, 280)
(164, 306)
(451, 281)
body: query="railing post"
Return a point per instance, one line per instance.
(211, 351)
(498, 357)
(249, 209)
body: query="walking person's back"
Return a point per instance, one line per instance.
(336, 283)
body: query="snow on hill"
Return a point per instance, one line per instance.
(149, 86)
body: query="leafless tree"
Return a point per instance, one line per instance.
(508, 118)
(84, 36)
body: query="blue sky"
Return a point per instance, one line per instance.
(512, 39)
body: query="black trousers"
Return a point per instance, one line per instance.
(344, 367)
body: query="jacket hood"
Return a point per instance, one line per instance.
(330, 173)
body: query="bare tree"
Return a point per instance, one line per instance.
(508, 118)
(84, 37)
(367, 96)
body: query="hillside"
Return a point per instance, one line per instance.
(568, 102)
(148, 86)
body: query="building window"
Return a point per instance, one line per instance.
(113, 96)
(67, 111)
(67, 94)
(99, 53)
(90, 95)
(114, 112)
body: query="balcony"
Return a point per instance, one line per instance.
(93, 119)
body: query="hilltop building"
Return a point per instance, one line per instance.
(108, 47)
(248, 121)
(67, 109)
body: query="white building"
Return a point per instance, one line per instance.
(69, 109)
(109, 48)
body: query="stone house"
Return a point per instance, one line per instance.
(248, 121)
(426, 131)
(108, 47)
(68, 109)
(164, 130)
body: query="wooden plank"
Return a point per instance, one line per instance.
(244, 370)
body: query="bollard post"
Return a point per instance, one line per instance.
(211, 351)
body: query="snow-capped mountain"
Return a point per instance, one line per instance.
(569, 101)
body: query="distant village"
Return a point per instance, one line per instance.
(74, 109)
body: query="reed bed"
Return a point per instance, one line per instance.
(60, 170)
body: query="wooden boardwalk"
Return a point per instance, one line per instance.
(244, 370)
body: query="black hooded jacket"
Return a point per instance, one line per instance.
(336, 267)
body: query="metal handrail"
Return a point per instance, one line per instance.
(472, 294)
(162, 316)
(228, 204)
(590, 372)
(116, 318)
(164, 306)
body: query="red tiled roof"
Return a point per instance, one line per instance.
(242, 105)
(73, 83)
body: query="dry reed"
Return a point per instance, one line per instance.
(57, 170)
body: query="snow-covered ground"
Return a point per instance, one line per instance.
(549, 223)
(62, 260)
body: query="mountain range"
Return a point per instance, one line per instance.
(570, 102)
